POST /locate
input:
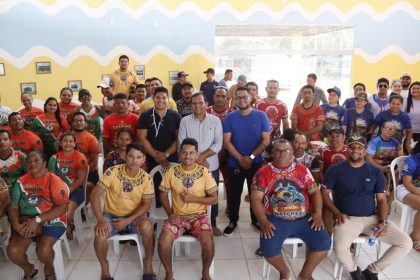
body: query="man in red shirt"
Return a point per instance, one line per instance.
(122, 118)
(308, 117)
(23, 140)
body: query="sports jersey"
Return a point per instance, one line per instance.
(113, 158)
(220, 114)
(35, 196)
(67, 109)
(26, 141)
(113, 123)
(310, 161)
(123, 80)
(29, 116)
(198, 181)
(93, 120)
(87, 144)
(275, 112)
(333, 116)
(308, 118)
(378, 104)
(123, 194)
(329, 157)
(357, 123)
(13, 167)
(401, 122)
(285, 190)
(412, 168)
(67, 166)
(383, 151)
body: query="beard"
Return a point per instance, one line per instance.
(79, 130)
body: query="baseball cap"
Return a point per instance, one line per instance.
(405, 74)
(209, 70)
(105, 83)
(187, 83)
(362, 95)
(242, 78)
(336, 90)
(357, 139)
(182, 74)
(336, 128)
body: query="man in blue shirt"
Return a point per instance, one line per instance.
(354, 209)
(208, 86)
(246, 133)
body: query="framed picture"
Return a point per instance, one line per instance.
(139, 70)
(75, 85)
(28, 88)
(2, 70)
(104, 76)
(43, 67)
(173, 77)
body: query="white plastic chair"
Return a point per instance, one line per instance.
(294, 241)
(406, 210)
(3, 236)
(78, 223)
(132, 236)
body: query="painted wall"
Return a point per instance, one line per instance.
(83, 39)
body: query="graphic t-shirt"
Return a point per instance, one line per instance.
(383, 151)
(123, 80)
(357, 123)
(333, 116)
(67, 109)
(284, 189)
(123, 194)
(35, 196)
(276, 112)
(310, 161)
(87, 144)
(308, 118)
(93, 120)
(220, 114)
(401, 122)
(29, 116)
(26, 142)
(67, 166)
(114, 123)
(13, 167)
(329, 157)
(198, 181)
(412, 168)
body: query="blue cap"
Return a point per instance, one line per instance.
(336, 90)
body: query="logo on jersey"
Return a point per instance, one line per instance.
(33, 200)
(127, 187)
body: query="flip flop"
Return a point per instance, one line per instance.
(33, 274)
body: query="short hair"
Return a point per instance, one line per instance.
(200, 93)
(120, 96)
(251, 84)
(83, 92)
(140, 86)
(312, 75)
(78, 114)
(7, 132)
(299, 133)
(189, 141)
(67, 133)
(382, 80)
(155, 79)
(397, 97)
(160, 89)
(11, 115)
(240, 89)
(228, 71)
(28, 94)
(124, 130)
(147, 80)
(64, 89)
(123, 56)
(309, 87)
(288, 134)
(282, 141)
(273, 81)
(216, 88)
(360, 84)
(134, 146)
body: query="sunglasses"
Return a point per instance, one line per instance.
(383, 86)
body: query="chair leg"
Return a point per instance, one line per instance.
(3, 245)
(116, 247)
(294, 251)
(139, 248)
(88, 216)
(67, 247)
(211, 269)
(404, 218)
(58, 261)
(78, 224)
(266, 270)
(356, 249)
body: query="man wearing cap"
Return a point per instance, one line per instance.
(184, 104)
(177, 88)
(148, 103)
(107, 90)
(122, 78)
(358, 120)
(333, 112)
(232, 90)
(359, 205)
(405, 82)
(380, 100)
(319, 92)
(208, 86)
(226, 79)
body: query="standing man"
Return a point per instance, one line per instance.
(244, 155)
(242, 80)
(207, 130)
(281, 193)
(208, 86)
(123, 78)
(308, 117)
(359, 205)
(23, 140)
(184, 104)
(405, 79)
(253, 90)
(148, 103)
(275, 109)
(227, 78)
(319, 92)
(193, 188)
(176, 88)
(380, 100)
(128, 199)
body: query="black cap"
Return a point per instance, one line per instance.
(357, 139)
(336, 128)
(209, 70)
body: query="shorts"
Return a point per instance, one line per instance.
(48, 230)
(93, 177)
(78, 196)
(131, 228)
(317, 241)
(194, 225)
(401, 192)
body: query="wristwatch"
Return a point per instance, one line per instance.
(167, 154)
(384, 222)
(252, 156)
(38, 219)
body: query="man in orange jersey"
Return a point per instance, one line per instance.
(88, 145)
(29, 112)
(23, 140)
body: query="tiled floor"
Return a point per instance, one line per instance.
(235, 259)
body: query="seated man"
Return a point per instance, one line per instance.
(354, 209)
(280, 196)
(193, 188)
(128, 199)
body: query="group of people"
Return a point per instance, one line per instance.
(297, 176)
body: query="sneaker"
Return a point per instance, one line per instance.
(216, 231)
(370, 275)
(357, 274)
(230, 228)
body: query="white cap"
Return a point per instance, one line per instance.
(106, 83)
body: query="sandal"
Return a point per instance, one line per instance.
(258, 252)
(34, 272)
(50, 276)
(416, 246)
(149, 276)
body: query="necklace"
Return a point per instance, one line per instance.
(157, 127)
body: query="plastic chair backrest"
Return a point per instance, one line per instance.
(399, 161)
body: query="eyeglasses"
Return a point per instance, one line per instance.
(280, 151)
(389, 128)
(382, 86)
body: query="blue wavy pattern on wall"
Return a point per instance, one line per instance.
(71, 28)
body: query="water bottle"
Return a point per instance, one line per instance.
(372, 239)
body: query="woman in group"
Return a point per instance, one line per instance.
(66, 104)
(396, 87)
(71, 166)
(49, 126)
(29, 112)
(409, 191)
(117, 156)
(412, 107)
(38, 212)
